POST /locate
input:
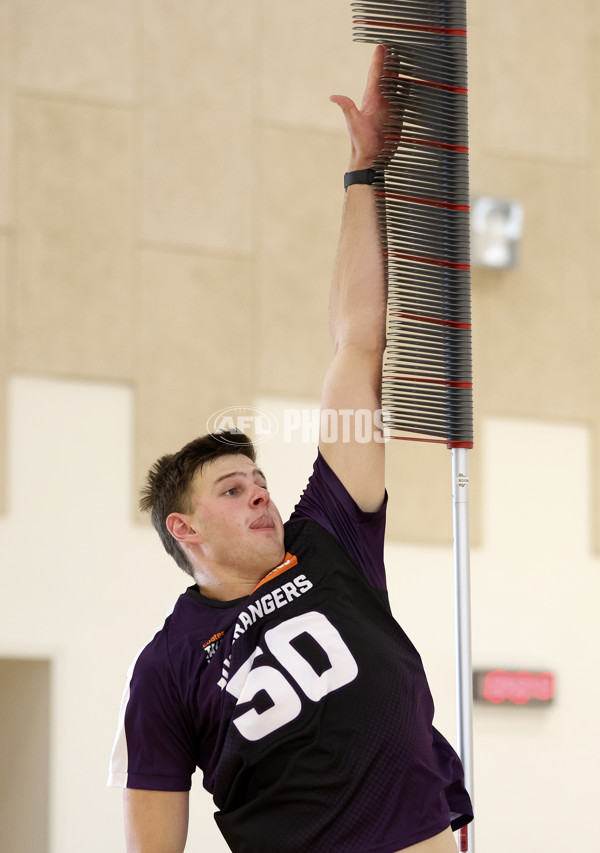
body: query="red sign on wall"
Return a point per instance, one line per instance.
(513, 687)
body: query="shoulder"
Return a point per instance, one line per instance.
(151, 666)
(361, 534)
(304, 535)
(170, 647)
(325, 493)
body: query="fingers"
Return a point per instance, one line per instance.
(349, 108)
(372, 91)
(365, 124)
(376, 67)
(347, 105)
(374, 76)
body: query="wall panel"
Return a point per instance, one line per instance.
(25, 754)
(5, 355)
(538, 81)
(196, 347)
(80, 48)
(302, 197)
(74, 271)
(307, 54)
(197, 123)
(535, 330)
(7, 50)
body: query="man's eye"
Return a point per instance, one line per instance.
(231, 491)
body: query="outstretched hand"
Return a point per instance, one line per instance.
(366, 125)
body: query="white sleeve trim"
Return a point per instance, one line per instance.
(116, 780)
(118, 767)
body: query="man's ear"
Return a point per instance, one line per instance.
(180, 529)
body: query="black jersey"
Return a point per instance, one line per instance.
(305, 704)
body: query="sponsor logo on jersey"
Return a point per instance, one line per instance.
(211, 646)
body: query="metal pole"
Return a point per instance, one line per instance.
(464, 683)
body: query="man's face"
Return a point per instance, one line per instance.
(241, 529)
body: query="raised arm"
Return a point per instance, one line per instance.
(352, 386)
(155, 821)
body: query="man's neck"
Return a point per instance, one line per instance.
(234, 585)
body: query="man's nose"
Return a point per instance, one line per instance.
(260, 496)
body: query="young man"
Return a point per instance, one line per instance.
(281, 673)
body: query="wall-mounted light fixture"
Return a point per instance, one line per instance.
(496, 228)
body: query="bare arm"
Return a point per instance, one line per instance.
(357, 314)
(155, 821)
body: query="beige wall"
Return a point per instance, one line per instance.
(168, 168)
(170, 196)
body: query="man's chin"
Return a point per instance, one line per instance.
(277, 555)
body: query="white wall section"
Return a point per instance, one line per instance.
(83, 586)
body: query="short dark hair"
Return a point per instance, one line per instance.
(168, 482)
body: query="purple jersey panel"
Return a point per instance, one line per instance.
(326, 501)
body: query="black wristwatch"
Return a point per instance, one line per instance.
(360, 176)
